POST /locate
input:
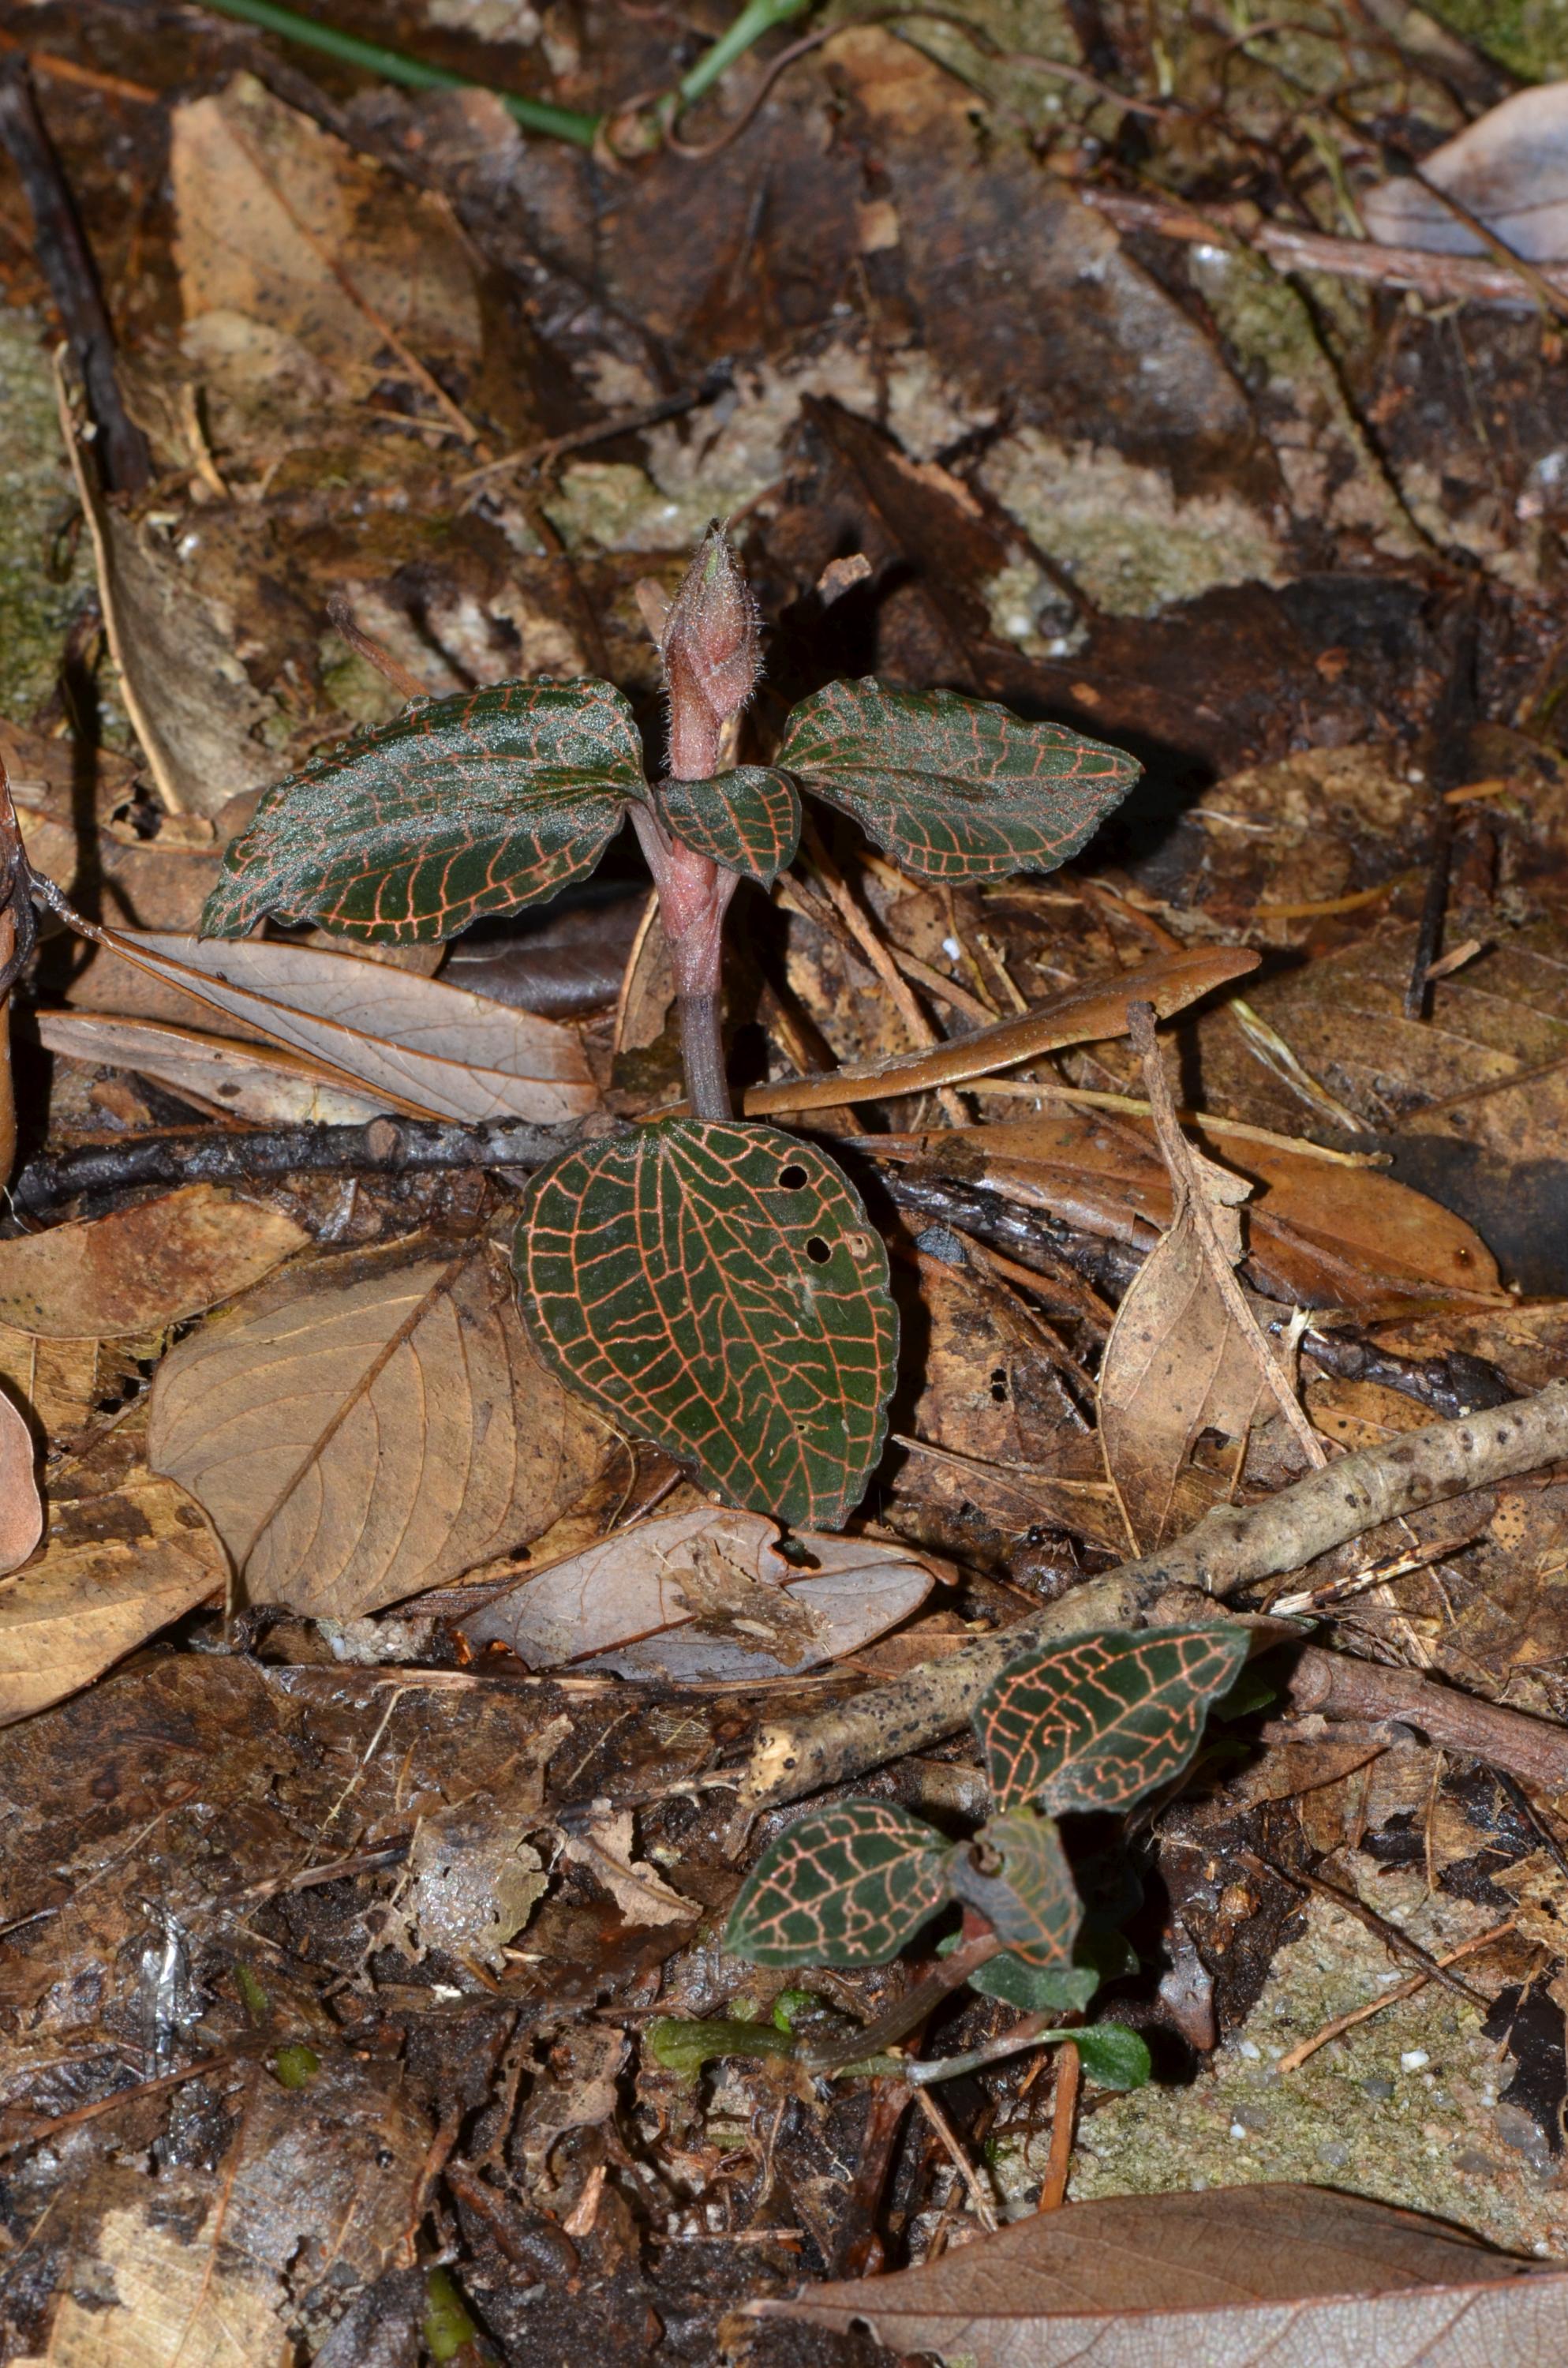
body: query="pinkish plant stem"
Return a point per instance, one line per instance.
(694, 894)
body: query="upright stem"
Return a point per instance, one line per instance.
(694, 895)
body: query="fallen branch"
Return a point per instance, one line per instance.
(382, 1146)
(1336, 1685)
(1231, 1546)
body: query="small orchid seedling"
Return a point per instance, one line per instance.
(708, 1285)
(1096, 1724)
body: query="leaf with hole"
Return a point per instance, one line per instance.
(1094, 1724)
(477, 803)
(718, 1289)
(848, 1887)
(1032, 1904)
(748, 820)
(953, 788)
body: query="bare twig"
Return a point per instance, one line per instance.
(1298, 2056)
(1338, 1686)
(1231, 1546)
(1064, 2115)
(1440, 277)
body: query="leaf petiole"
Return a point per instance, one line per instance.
(758, 17)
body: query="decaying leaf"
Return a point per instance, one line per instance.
(412, 1043)
(21, 1508)
(1509, 168)
(164, 2292)
(369, 1426)
(604, 1844)
(475, 1879)
(1281, 2274)
(140, 1269)
(705, 1595)
(283, 225)
(127, 1553)
(1175, 1364)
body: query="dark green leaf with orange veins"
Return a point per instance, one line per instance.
(748, 820)
(1032, 1903)
(1094, 1724)
(718, 1288)
(954, 788)
(460, 807)
(848, 1887)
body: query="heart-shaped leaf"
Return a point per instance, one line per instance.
(748, 820)
(1033, 1903)
(718, 1288)
(954, 788)
(848, 1887)
(461, 806)
(1093, 1724)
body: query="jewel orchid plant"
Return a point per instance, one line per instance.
(1096, 1724)
(708, 1285)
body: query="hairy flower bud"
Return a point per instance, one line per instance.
(712, 653)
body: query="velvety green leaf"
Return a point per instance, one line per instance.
(461, 806)
(718, 1288)
(1033, 1904)
(748, 820)
(1115, 2056)
(1094, 1724)
(848, 1887)
(954, 788)
(1036, 1989)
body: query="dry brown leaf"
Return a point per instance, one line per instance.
(1175, 1363)
(195, 710)
(604, 1844)
(269, 1087)
(1345, 1236)
(273, 215)
(124, 1559)
(411, 1043)
(1286, 2275)
(141, 1269)
(705, 1595)
(369, 1426)
(21, 1508)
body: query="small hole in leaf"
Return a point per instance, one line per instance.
(818, 1251)
(792, 1177)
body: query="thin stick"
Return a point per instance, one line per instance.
(1232, 1545)
(984, 2211)
(881, 958)
(1134, 1106)
(375, 653)
(1298, 2056)
(1064, 2122)
(112, 2103)
(1178, 1158)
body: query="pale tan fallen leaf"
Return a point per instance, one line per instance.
(370, 1424)
(1296, 2277)
(141, 1269)
(21, 1508)
(409, 1043)
(64, 1383)
(281, 223)
(162, 2298)
(604, 1845)
(270, 1088)
(120, 1564)
(706, 1594)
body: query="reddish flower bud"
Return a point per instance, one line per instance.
(713, 652)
